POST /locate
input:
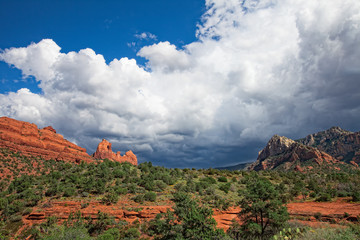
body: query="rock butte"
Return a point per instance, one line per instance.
(104, 151)
(28, 139)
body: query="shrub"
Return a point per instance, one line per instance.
(132, 233)
(110, 198)
(324, 197)
(222, 179)
(150, 196)
(69, 192)
(15, 218)
(209, 180)
(355, 196)
(3, 203)
(317, 215)
(105, 236)
(159, 185)
(225, 187)
(139, 198)
(66, 233)
(121, 190)
(188, 221)
(110, 234)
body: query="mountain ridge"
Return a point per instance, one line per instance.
(334, 148)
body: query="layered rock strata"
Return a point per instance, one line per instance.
(28, 139)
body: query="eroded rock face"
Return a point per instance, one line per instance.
(104, 151)
(30, 140)
(286, 154)
(341, 144)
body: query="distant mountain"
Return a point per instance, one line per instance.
(240, 166)
(341, 144)
(330, 149)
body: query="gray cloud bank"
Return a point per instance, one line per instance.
(259, 67)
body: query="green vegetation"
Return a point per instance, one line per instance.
(29, 183)
(262, 211)
(188, 221)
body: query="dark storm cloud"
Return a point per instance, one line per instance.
(285, 67)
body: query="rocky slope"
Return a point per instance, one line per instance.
(28, 139)
(341, 144)
(104, 151)
(286, 154)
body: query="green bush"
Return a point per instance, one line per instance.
(150, 196)
(110, 198)
(113, 232)
(355, 196)
(105, 236)
(15, 218)
(139, 198)
(222, 179)
(188, 221)
(225, 187)
(69, 192)
(132, 233)
(317, 215)
(324, 197)
(68, 233)
(209, 180)
(121, 190)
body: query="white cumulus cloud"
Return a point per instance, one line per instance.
(259, 67)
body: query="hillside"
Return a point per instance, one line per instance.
(47, 198)
(239, 166)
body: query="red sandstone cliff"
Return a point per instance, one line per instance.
(30, 140)
(104, 151)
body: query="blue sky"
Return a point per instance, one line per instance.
(107, 27)
(181, 83)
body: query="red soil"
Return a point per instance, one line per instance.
(130, 211)
(336, 211)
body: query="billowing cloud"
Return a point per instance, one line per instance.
(259, 67)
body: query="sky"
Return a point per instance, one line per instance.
(187, 83)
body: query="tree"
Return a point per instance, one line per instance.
(262, 211)
(187, 221)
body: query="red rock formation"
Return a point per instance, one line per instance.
(286, 154)
(104, 151)
(339, 143)
(26, 138)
